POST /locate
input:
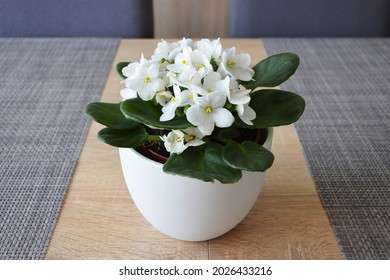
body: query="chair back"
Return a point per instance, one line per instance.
(310, 18)
(76, 18)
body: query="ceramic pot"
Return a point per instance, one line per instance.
(185, 208)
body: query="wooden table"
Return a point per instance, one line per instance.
(100, 221)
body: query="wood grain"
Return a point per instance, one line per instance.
(191, 18)
(99, 220)
(288, 220)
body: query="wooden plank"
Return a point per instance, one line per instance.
(100, 221)
(191, 18)
(288, 220)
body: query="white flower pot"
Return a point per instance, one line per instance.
(186, 208)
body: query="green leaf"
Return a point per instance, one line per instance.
(273, 70)
(109, 114)
(202, 162)
(274, 108)
(119, 68)
(247, 156)
(225, 134)
(130, 138)
(149, 113)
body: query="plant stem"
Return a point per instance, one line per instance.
(154, 138)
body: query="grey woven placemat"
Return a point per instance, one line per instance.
(345, 133)
(44, 86)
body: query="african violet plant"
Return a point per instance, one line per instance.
(198, 98)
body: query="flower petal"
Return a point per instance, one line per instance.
(240, 97)
(157, 85)
(243, 75)
(130, 69)
(168, 111)
(127, 93)
(246, 114)
(207, 126)
(196, 115)
(217, 99)
(243, 60)
(210, 80)
(223, 117)
(194, 143)
(135, 84)
(147, 93)
(175, 68)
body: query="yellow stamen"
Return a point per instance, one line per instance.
(191, 96)
(231, 64)
(173, 99)
(209, 90)
(184, 61)
(231, 91)
(199, 67)
(148, 80)
(191, 137)
(177, 139)
(209, 110)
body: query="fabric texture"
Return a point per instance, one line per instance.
(76, 18)
(345, 133)
(44, 87)
(310, 18)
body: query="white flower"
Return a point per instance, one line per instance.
(212, 50)
(211, 79)
(201, 63)
(174, 142)
(144, 61)
(178, 100)
(209, 112)
(162, 97)
(184, 43)
(203, 92)
(187, 77)
(236, 65)
(182, 61)
(127, 93)
(168, 76)
(145, 81)
(220, 86)
(237, 96)
(188, 96)
(165, 51)
(177, 141)
(246, 113)
(193, 137)
(130, 70)
(212, 84)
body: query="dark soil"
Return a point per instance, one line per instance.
(256, 135)
(153, 149)
(156, 150)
